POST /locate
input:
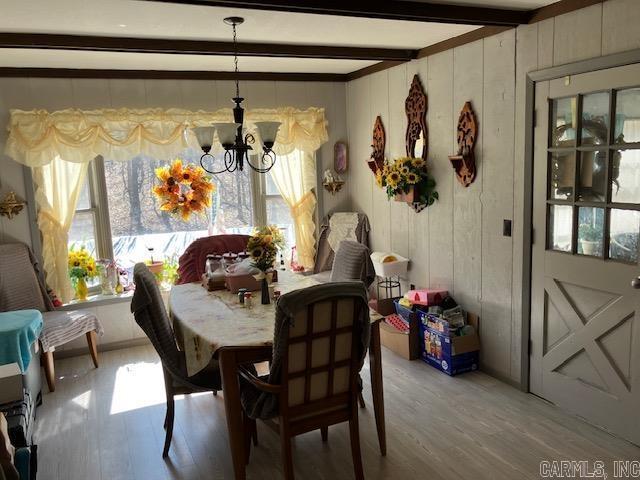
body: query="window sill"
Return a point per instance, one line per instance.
(99, 300)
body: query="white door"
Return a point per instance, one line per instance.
(585, 330)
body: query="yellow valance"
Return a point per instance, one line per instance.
(37, 137)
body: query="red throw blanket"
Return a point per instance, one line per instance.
(192, 262)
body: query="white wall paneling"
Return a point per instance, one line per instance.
(458, 243)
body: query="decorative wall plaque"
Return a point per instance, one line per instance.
(11, 206)
(376, 161)
(464, 163)
(415, 106)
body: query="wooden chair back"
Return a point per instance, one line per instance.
(319, 378)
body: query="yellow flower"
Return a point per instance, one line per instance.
(412, 178)
(257, 252)
(379, 178)
(404, 170)
(393, 178)
(417, 162)
(176, 169)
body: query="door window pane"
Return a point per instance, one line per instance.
(595, 118)
(623, 244)
(590, 231)
(592, 176)
(560, 227)
(627, 128)
(564, 119)
(562, 167)
(625, 176)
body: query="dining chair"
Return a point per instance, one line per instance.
(335, 227)
(22, 287)
(320, 342)
(191, 264)
(353, 262)
(151, 315)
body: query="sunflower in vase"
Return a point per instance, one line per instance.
(82, 266)
(263, 248)
(407, 180)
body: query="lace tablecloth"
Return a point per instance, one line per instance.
(207, 321)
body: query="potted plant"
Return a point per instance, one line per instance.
(590, 239)
(263, 248)
(82, 266)
(407, 180)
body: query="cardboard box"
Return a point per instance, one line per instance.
(404, 344)
(448, 353)
(236, 282)
(10, 383)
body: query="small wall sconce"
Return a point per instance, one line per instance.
(332, 183)
(11, 206)
(464, 163)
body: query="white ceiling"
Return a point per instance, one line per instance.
(131, 18)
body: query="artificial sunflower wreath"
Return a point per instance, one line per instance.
(407, 179)
(183, 189)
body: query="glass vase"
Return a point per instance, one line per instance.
(81, 289)
(265, 292)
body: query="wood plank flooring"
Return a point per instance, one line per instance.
(106, 424)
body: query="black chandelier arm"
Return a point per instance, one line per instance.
(228, 163)
(249, 139)
(268, 157)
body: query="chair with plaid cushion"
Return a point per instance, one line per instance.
(22, 287)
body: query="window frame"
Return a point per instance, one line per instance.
(578, 149)
(100, 207)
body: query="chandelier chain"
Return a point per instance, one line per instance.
(235, 60)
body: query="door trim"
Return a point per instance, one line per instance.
(552, 73)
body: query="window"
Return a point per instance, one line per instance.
(594, 175)
(118, 216)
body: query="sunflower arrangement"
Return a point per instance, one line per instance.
(263, 246)
(81, 264)
(183, 189)
(404, 173)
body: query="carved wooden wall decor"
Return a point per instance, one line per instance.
(415, 106)
(464, 162)
(376, 161)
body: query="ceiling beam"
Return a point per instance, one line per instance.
(416, 11)
(198, 47)
(168, 74)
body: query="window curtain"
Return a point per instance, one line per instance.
(295, 178)
(58, 147)
(57, 188)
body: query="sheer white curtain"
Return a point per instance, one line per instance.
(57, 186)
(295, 178)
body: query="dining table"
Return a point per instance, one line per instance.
(214, 324)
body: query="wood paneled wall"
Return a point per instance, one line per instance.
(60, 93)
(458, 243)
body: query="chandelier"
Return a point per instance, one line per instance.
(233, 137)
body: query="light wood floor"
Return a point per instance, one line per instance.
(107, 424)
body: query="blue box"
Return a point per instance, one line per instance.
(404, 312)
(449, 354)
